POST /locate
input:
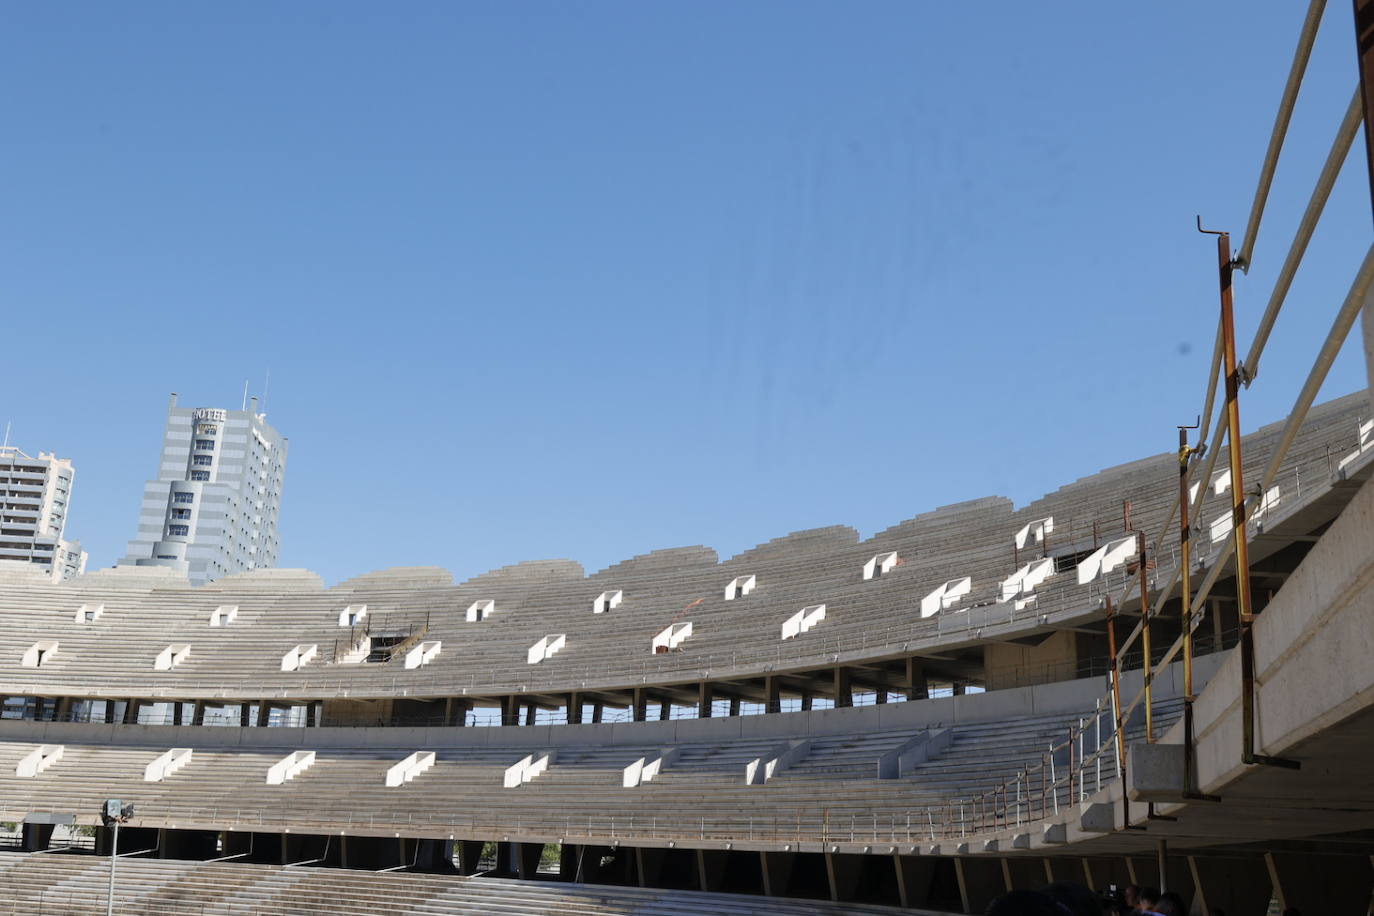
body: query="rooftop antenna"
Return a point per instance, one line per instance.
(245, 395)
(267, 383)
(7, 434)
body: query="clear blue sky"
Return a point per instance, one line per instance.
(589, 279)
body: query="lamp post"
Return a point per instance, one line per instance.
(112, 815)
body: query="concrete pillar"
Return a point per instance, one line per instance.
(527, 857)
(980, 880)
(915, 874)
(959, 688)
(842, 871)
(597, 707)
(109, 710)
(917, 688)
(264, 713)
(64, 709)
(639, 704)
(1321, 883)
(879, 695)
(806, 698)
(469, 854)
(777, 872)
(510, 710)
(772, 693)
(734, 706)
(505, 860)
(198, 713)
(244, 715)
(574, 704)
(568, 856)
(1236, 885)
(131, 711)
(844, 694)
(704, 700)
(36, 836)
(710, 869)
(648, 866)
(665, 710)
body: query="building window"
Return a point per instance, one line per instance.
(181, 513)
(205, 445)
(183, 497)
(202, 460)
(200, 475)
(178, 530)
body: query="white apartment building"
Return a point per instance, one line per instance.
(213, 508)
(35, 496)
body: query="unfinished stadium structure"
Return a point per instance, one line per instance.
(1159, 674)
(924, 718)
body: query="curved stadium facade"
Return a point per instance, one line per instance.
(924, 718)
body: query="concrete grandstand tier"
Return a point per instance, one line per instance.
(963, 607)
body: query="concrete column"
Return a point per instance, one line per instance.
(772, 692)
(131, 711)
(243, 715)
(109, 710)
(640, 702)
(1235, 885)
(879, 695)
(710, 869)
(1319, 883)
(567, 861)
(917, 688)
(648, 866)
(505, 859)
(980, 880)
(734, 706)
(597, 707)
(527, 857)
(198, 713)
(469, 854)
(777, 872)
(704, 700)
(844, 694)
(36, 836)
(64, 709)
(842, 872)
(264, 713)
(510, 710)
(914, 877)
(665, 710)
(574, 704)
(806, 698)
(959, 688)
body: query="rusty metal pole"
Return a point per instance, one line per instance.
(1364, 49)
(1147, 648)
(1244, 606)
(1115, 675)
(1185, 550)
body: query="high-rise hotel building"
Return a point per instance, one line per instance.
(35, 496)
(213, 509)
